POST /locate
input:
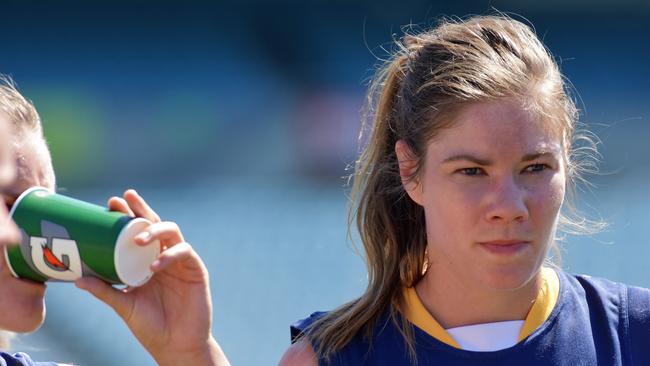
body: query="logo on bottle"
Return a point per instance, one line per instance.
(56, 257)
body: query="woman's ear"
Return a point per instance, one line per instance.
(407, 170)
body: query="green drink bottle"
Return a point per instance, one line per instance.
(63, 238)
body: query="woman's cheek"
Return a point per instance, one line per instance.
(558, 186)
(548, 198)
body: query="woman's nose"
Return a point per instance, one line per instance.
(507, 202)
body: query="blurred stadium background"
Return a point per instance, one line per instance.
(237, 120)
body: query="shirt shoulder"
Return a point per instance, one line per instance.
(595, 291)
(299, 328)
(639, 306)
(637, 317)
(627, 307)
(22, 359)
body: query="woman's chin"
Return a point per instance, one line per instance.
(23, 308)
(508, 279)
(28, 320)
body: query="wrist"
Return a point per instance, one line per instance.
(209, 354)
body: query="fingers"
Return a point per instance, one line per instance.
(133, 205)
(167, 232)
(140, 207)
(114, 298)
(119, 204)
(178, 252)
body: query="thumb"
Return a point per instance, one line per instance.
(116, 299)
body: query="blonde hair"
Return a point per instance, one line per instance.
(20, 112)
(414, 96)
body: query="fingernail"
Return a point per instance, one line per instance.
(145, 235)
(155, 264)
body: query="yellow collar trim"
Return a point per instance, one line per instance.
(546, 299)
(417, 314)
(544, 304)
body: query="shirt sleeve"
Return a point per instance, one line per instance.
(638, 316)
(298, 328)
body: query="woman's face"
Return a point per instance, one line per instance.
(491, 188)
(22, 307)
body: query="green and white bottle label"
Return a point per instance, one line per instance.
(64, 239)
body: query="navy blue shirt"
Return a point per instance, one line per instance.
(21, 359)
(594, 322)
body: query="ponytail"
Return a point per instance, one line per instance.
(394, 250)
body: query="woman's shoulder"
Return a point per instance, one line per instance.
(608, 293)
(379, 343)
(626, 307)
(603, 287)
(299, 353)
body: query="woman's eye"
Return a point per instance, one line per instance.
(534, 168)
(471, 171)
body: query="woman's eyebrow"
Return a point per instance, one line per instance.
(467, 157)
(487, 162)
(538, 155)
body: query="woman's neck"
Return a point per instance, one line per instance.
(454, 303)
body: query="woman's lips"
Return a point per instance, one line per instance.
(5, 275)
(504, 247)
(33, 284)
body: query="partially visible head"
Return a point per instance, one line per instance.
(33, 160)
(22, 308)
(7, 164)
(8, 230)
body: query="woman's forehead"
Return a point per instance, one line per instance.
(497, 128)
(7, 164)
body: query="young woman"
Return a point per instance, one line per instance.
(171, 315)
(30, 162)
(459, 192)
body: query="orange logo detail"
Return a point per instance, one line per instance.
(52, 260)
